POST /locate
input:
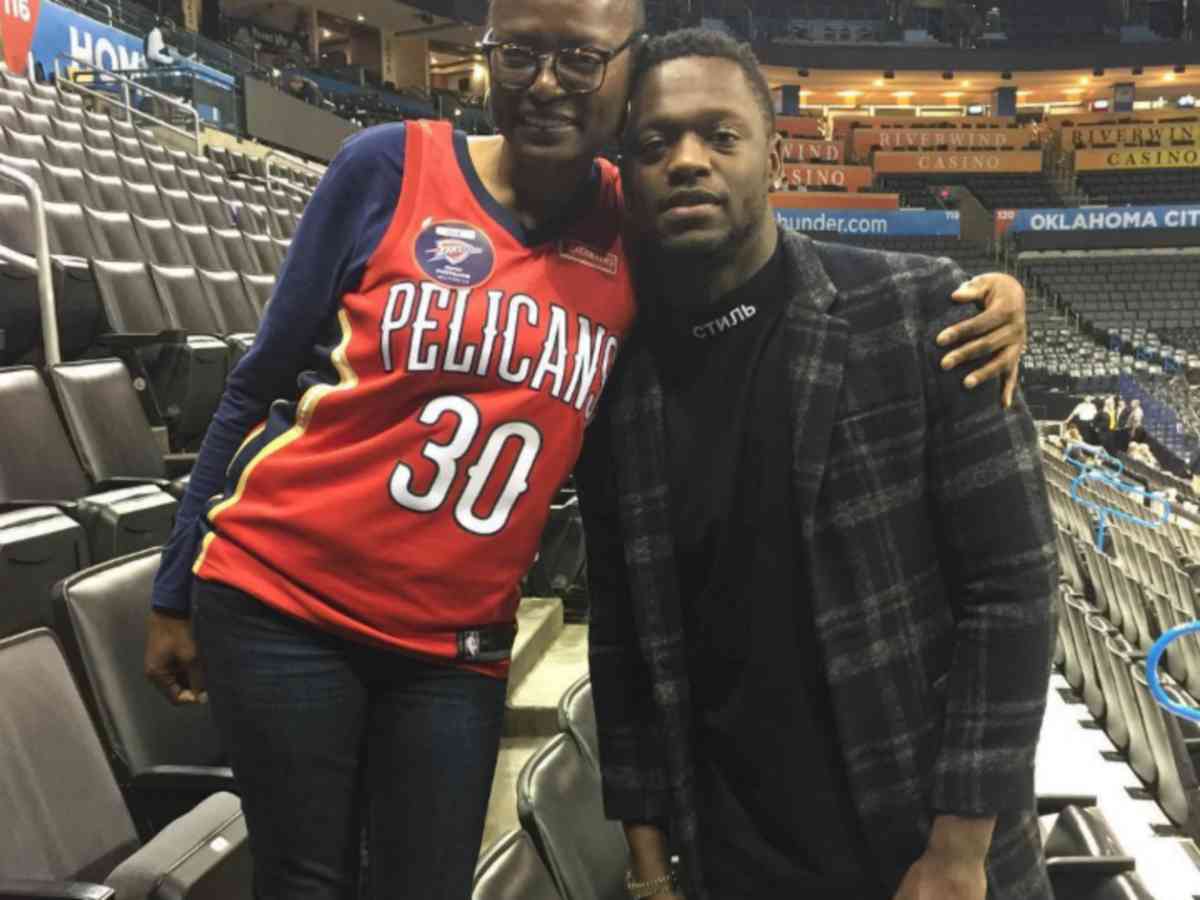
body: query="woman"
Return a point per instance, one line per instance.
(451, 310)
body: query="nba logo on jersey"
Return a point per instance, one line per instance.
(454, 254)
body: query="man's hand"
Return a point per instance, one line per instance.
(938, 876)
(999, 332)
(172, 663)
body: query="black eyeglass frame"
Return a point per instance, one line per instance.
(489, 44)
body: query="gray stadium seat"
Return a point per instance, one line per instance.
(144, 201)
(241, 257)
(166, 175)
(559, 803)
(114, 235)
(65, 185)
(160, 241)
(259, 288)
(39, 546)
(65, 153)
(69, 130)
(179, 207)
(213, 210)
(190, 308)
(577, 717)
(38, 466)
(227, 297)
(100, 617)
(203, 251)
(75, 826)
(134, 169)
(98, 138)
(187, 372)
(35, 123)
(30, 146)
(107, 191)
(101, 161)
(512, 870)
(112, 436)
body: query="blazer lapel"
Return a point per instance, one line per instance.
(817, 361)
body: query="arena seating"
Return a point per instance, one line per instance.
(73, 824)
(512, 870)
(1141, 187)
(1118, 600)
(166, 758)
(1025, 191)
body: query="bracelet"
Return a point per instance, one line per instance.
(639, 890)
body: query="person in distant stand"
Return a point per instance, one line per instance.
(158, 51)
(303, 88)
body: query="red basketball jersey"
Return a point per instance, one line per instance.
(401, 500)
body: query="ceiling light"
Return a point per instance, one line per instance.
(951, 95)
(326, 33)
(966, 84)
(361, 17)
(1186, 101)
(878, 82)
(1024, 93)
(848, 94)
(1170, 76)
(1085, 80)
(900, 95)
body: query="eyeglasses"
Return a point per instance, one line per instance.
(579, 70)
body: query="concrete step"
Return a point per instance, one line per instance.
(502, 805)
(539, 622)
(532, 708)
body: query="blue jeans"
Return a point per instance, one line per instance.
(325, 736)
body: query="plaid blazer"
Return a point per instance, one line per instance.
(926, 557)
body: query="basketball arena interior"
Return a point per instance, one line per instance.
(145, 211)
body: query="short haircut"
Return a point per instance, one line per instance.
(639, 12)
(689, 42)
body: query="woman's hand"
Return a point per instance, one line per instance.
(998, 333)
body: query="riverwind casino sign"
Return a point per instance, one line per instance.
(1117, 218)
(1145, 158)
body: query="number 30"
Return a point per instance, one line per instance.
(446, 458)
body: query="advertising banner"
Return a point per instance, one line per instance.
(800, 126)
(814, 151)
(954, 138)
(844, 124)
(1130, 136)
(50, 30)
(999, 161)
(852, 178)
(880, 223)
(1100, 218)
(833, 200)
(1146, 158)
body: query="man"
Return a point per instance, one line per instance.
(157, 51)
(821, 570)
(303, 88)
(1084, 417)
(1137, 416)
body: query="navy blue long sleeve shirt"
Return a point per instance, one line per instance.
(344, 223)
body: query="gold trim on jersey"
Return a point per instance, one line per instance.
(307, 407)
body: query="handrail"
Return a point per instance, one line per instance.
(41, 244)
(128, 83)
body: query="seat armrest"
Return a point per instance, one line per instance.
(1049, 804)
(124, 481)
(135, 341)
(54, 890)
(192, 779)
(14, 505)
(1084, 869)
(180, 464)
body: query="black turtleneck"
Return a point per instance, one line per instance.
(774, 799)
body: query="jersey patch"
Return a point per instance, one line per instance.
(576, 251)
(455, 254)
